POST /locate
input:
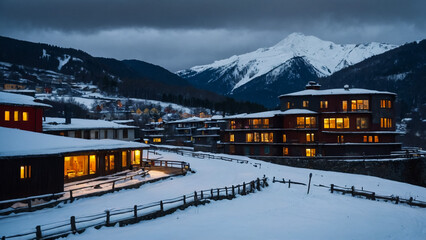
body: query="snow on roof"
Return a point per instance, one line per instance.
(191, 119)
(335, 91)
(269, 114)
(124, 121)
(26, 143)
(58, 124)
(20, 100)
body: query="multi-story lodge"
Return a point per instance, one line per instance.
(182, 132)
(207, 137)
(314, 122)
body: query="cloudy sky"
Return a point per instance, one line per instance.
(179, 34)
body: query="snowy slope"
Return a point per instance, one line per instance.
(277, 212)
(325, 57)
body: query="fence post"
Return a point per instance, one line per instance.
(397, 200)
(211, 193)
(373, 196)
(233, 191)
(73, 226)
(38, 232)
(161, 206)
(289, 182)
(258, 184)
(244, 188)
(195, 196)
(218, 193)
(332, 188)
(184, 200)
(107, 218)
(353, 191)
(29, 204)
(113, 186)
(410, 201)
(201, 195)
(135, 212)
(226, 191)
(3, 238)
(71, 197)
(309, 185)
(273, 180)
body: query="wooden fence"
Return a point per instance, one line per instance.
(52, 200)
(203, 155)
(358, 193)
(138, 213)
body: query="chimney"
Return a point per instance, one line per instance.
(313, 85)
(346, 87)
(67, 114)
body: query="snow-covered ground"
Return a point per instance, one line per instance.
(277, 212)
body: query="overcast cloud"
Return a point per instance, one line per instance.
(178, 34)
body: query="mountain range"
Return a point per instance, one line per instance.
(262, 75)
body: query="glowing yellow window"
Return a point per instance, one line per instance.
(156, 140)
(15, 116)
(111, 162)
(324, 104)
(310, 152)
(345, 106)
(305, 103)
(137, 159)
(310, 137)
(249, 137)
(370, 138)
(288, 105)
(284, 137)
(346, 122)
(92, 164)
(6, 115)
(365, 139)
(339, 122)
(124, 159)
(256, 137)
(25, 172)
(231, 137)
(326, 123)
(285, 151)
(25, 116)
(332, 123)
(376, 139)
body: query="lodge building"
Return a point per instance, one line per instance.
(314, 122)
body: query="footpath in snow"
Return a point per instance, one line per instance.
(277, 212)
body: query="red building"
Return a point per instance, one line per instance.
(314, 122)
(21, 111)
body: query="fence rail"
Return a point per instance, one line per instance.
(203, 155)
(138, 213)
(358, 193)
(184, 166)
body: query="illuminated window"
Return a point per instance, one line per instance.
(233, 126)
(137, 158)
(285, 151)
(306, 122)
(25, 116)
(6, 115)
(25, 172)
(361, 123)
(357, 105)
(324, 104)
(76, 166)
(265, 122)
(338, 123)
(111, 162)
(259, 123)
(305, 103)
(267, 137)
(156, 140)
(249, 137)
(310, 152)
(365, 139)
(92, 164)
(284, 138)
(385, 104)
(310, 137)
(340, 139)
(256, 137)
(15, 116)
(370, 138)
(231, 137)
(385, 122)
(124, 159)
(345, 106)
(288, 105)
(376, 139)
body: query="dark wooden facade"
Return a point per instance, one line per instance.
(31, 122)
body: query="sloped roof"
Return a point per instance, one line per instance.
(58, 124)
(336, 91)
(26, 143)
(269, 114)
(19, 100)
